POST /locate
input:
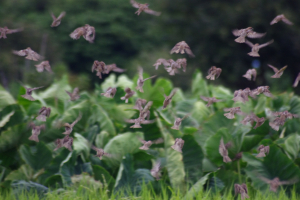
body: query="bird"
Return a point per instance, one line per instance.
(43, 113)
(129, 93)
(224, 152)
(69, 127)
(147, 144)
(137, 122)
(281, 118)
(155, 171)
(173, 68)
(112, 67)
(182, 47)
(44, 65)
(5, 31)
(178, 145)
(259, 122)
(278, 73)
(99, 67)
(28, 93)
(281, 18)
(263, 150)
(251, 73)
(296, 80)
(100, 152)
(141, 80)
(241, 95)
(178, 121)
(253, 118)
(56, 21)
(143, 7)
(256, 47)
(66, 142)
(145, 112)
(247, 32)
(160, 61)
(110, 92)
(261, 89)
(210, 100)
(213, 72)
(275, 183)
(86, 31)
(139, 104)
(74, 95)
(29, 53)
(36, 130)
(232, 111)
(168, 99)
(241, 189)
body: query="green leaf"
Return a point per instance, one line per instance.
(196, 188)
(13, 137)
(102, 139)
(6, 119)
(102, 175)
(54, 181)
(81, 145)
(24, 172)
(292, 145)
(157, 94)
(200, 111)
(199, 86)
(37, 156)
(67, 168)
(5, 98)
(125, 173)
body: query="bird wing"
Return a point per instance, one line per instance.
(134, 4)
(42, 109)
(218, 72)
(249, 43)
(150, 77)
(62, 14)
(253, 34)
(189, 51)
(222, 147)
(14, 30)
(282, 69)
(254, 74)
(266, 44)
(285, 20)
(176, 48)
(148, 121)
(140, 71)
(274, 68)
(158, 141)
(75, 91)
(48, 68)
(78, 118)
(275, 20)
(237, 32)
(152, 12)
(20, 53)
(236, 189)
(173, 92)
(53, 16)
(69, 93)
(36, 88)
(204, 98)
(297, 80)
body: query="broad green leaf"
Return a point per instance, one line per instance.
(13, 137)
(125, 173)
(261, 104)
(157, 94)
(5, 119)
(5, 98)
(200, 112)
(81, 145)
(54, 181)
(199, 86)
(292, 145)
(196, 188)
(10, 116)
(102, 175)
(24, 172)
(102, 139)
(19, 187)
(67, 168)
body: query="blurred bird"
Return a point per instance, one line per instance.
(44, 65)
(259, 122)
(43, 113)
(129, 93)
(281, 18)
(57, 21)
(210, 100)
(178, 121)
(29, 53)
(275, 183)
(250, 73)
(147, 144)
(253, 118)
(66, 142)
(29, 93)
(143, 7)
(99, 67)
(182, 63)
(160, 61)
(69, 127)
(278, 73)
(241, 189)
(279, 121)
(168, 99)
(141, 80)
(296, 81)
(182, 47)
(145, 112)
(262, 89)
(5, 31)
(263, 150)
(155, 171)
(86, 31)
(224, 152)
(213, 72)
(256, 47)
(110, 92)
(74, 95)
(238, 156)
(241, 95)
(137, 122)
(112, 67)
(100, 152)
(139, 104)
(178, 145)
(232, 111)
(36, 130)
(247, 32)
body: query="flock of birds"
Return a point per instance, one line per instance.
(172, 67)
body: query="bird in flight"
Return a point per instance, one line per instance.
(56, 21)
(74, 95)
(241, 189)
(281, 18)
(213, 72)
(251, 73)
(263, 150)
(110, 92)
(296, 80)
(69, 127)
(44, 65)
(86, 31)
(255, 47)
(143, 7)
(279, 72)
(247, 32)
(178, 121)
(178, 145)
(29, 93)
(224, 152)
(29, 53)
(129, 93)
(36, 130)
(141, 80)
(43, 113)
(168, 99)
(182, 47)
(5, 31)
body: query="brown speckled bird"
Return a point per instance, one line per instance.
(99, 67)
(29, 53)
(281, 18)
(86, 31)
(262, 89)
(232, 111)
(139, 104)
(43, 113)
(214, 73)
(129, 93)
(36, 130)
(275, 183)
(143, 7)
(178, 145)
(147, 144)
(263, 150)
(141, 80)
(44, 65)
(137, 122)
(66, 142)
(145, 112)
(224, 152)
(279, 72)
(69, 127)
(247, 32)
(182, 47)
(178, 121)
(251, 73)
(112, 67)
(210, 100)
(110, 92)
(29, 93)
(100, 152)
(160, 61)
(296, 80)
(241, 95)
(241, 189)
(74, 95)
(168, 99)
(5, 31)
(57, 21)
(256, 47)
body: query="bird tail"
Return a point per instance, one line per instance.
(254, 54)
(34, 138)
(226, 159)
(240, 39)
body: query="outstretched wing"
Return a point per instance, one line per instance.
(237, 32)
(20, 53)
(36, 88)
(61, 15)
(152, 12)
(296, 81)
(78, 118)
(140, 71)
(275, 20)
(204, 98)
(274, 68)
(14, 30)
(285, 20)
(249, 43)
(266, 44)
(255, 35)
(134, 4)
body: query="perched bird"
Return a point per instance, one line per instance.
(36, 130)
(297, 80)
(251, 73)
(139, 104)
(178, 121)
(141, 80)
(256, 47)
(69, 127)
(44, 65)
(160, 61)
(281, 18)
(247, 32)
(86, 31)
(74, 95)
(278, 73)
(182, 47)
(110, 92)
(168, 99)
(147, 144)
(263, 150)
(155, 171)
(66, 142)
(143, 7)
(100, 152)
(112, 67)
(5, 31)
(43, 113)
(129, 93)
(232, 111)
(261, 89)
(29, 93)
(29, 53)
(213, 72)
(210, 100)
(224, 152)
(137, 122)
(178, 145)
(57, 21)
(275, 183)
(241, 189)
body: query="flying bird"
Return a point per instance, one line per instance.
(178, 121)
(145, 112)
(232, 111)
(110, 92)
(100, 152)
(29, 93)
(224, 152)
(263, 150)
(99, 67)
(137, 122)
(143, 7)
(241, 189)
(281, 118)
(241, 95)
(210, 100)
(56, 21)
(256, 47)
(275, 183)
(66, 142)
(29, 53)
(147, 144)
(160, 61)
(297, 80)
(86, 31)
(36, 130)
(281, 18)
(69, 127)
(44, 65)
(213, 72)
(112, 67)
(5, 31)
(43, 113)
(182, 47)
(247, 32)
(278, 73)
(251, 73)
(178, 145)
(168, 99)
(261, 89)
(129, 93)
(155, 171)
(253, 118)
(139, 104)
(141, 80)
(74, 95)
